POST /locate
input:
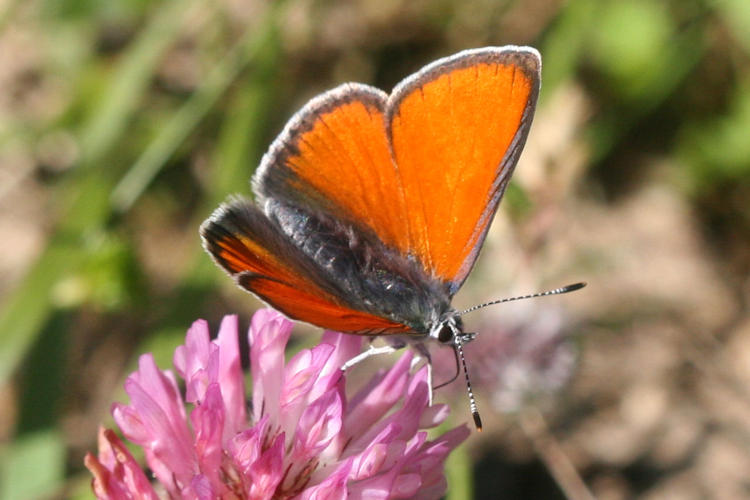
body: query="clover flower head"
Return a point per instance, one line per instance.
(300, 437)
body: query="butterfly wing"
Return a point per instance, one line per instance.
(456, 129)
(255, 252)
(371, 209)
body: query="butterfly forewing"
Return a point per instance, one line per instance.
(334, 157)
(457, 129)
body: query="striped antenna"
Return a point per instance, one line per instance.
(472, 401)
(556, 291)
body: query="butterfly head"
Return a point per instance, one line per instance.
(449, 330)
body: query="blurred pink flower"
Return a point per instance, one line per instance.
(303, 438)
(531, 355)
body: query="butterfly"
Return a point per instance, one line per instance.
(370, 208)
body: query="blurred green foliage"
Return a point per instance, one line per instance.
(138, 117)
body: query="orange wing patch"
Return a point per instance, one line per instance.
(456, 132)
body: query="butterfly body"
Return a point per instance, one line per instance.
(370, 209)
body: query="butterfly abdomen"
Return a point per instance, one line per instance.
(369, 275)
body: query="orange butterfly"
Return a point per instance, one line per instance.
(370, 208)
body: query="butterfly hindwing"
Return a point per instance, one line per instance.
(257, 254)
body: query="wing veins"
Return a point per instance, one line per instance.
(343, 154)
(426, 240)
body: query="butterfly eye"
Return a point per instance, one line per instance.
(445, 335)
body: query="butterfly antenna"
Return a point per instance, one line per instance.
(556, 291)
(472, 401)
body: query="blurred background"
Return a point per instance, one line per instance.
(124, 123)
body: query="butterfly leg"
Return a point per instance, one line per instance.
(423, 352)
(371, 351)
